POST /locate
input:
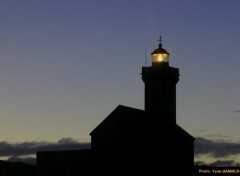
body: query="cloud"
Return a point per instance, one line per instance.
(17, 151)
(218, 163)
(218, 150)
(223, 163)
(215, 148)
(238, 111)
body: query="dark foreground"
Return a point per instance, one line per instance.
(21, 169)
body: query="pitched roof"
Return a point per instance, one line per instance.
(128, 116)
(132, 120)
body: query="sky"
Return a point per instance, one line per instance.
(66, 65)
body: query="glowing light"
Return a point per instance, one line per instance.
(160, 58)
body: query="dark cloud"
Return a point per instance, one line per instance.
(223, 163)
(200, 163)
(238, 111)
(218, 163)
(30, 148)
(215, 148)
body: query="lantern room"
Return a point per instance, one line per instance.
(160, 55)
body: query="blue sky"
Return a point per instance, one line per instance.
(65, 65)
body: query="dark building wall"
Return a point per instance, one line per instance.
(57, 163)
(152, 145)
(182, 155)
(115, 145)
(143, 154)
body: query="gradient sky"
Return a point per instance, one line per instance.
(66, 65)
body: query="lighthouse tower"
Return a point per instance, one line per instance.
(160, 85)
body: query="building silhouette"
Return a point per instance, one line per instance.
(134, 140)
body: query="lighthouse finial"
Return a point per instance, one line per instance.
(160, 41)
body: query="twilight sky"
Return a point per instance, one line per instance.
(65, 65)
